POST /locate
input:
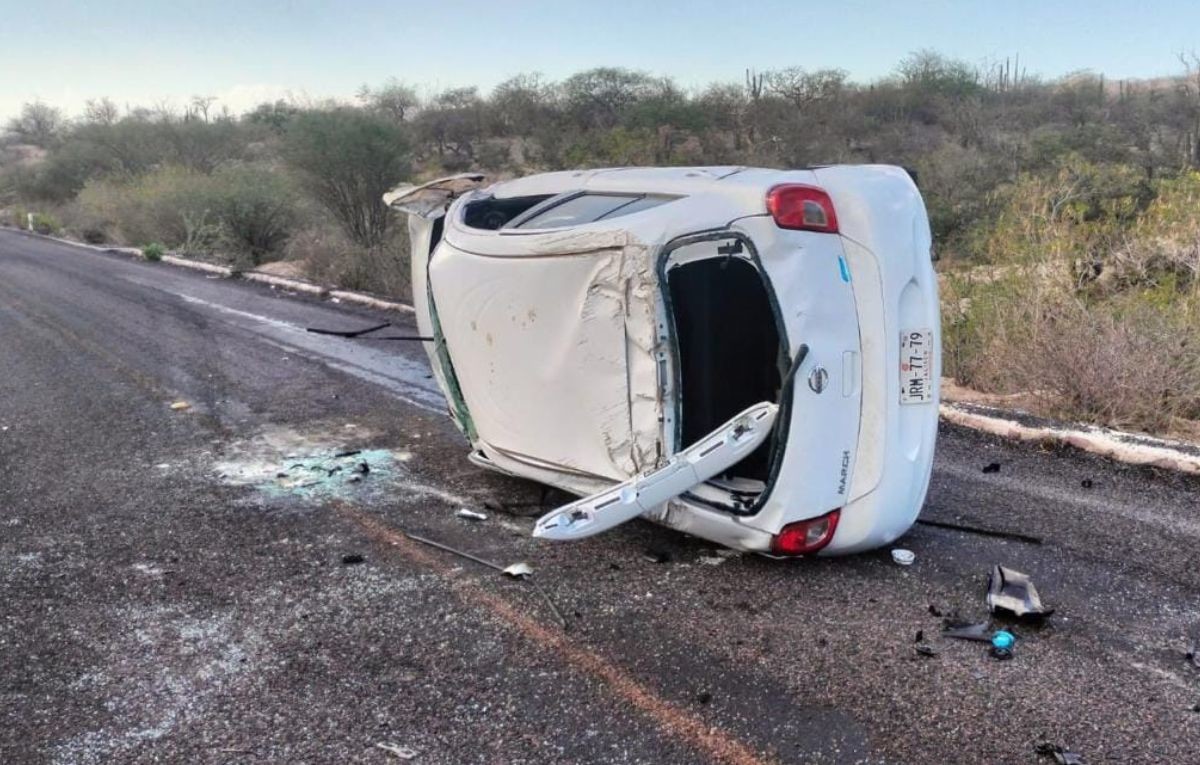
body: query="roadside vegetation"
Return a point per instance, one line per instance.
(1066, 212)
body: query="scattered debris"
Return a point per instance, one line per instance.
(1194, 655)
(980, 633)
(1196, 707)
(361, 333)
(704, 697)
(1086, 483)
(655, 555)
(981, 531)
(349, 333)
(362, 468)
(934, 610)
(179, 406)
(163, 466)
(352, 559)
(520, 570)
(926, 650)
(351, 453)
(403, 752)
(991, 467)
(1002, 645)
(920, 638)
(1013, 591)
(1061, 755)
(903, 557)
(471, 515)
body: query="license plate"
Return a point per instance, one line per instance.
(916, 366)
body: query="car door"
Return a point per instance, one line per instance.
(709, 456)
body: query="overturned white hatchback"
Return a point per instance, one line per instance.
(748, 355)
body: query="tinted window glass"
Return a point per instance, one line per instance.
(587, 208)
(637, 205)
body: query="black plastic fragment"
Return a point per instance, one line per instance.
(349, 333)
(927, 651)
(1014, 592)
(1086, 483)
(991, 467)
(982, 531)
(655, 555)
(1060, 754)
(352, 559)
(980, 633)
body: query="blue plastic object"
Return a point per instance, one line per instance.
(1003, 640)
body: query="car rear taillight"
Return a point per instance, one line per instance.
(806, 537)
(806, 208)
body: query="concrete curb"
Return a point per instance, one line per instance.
(1130, 448)
(288, 284)
(197, 265)
(295, 285)
(369, 301)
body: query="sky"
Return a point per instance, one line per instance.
(246, 51)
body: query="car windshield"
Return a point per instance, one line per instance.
(586, 208)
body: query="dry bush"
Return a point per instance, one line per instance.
(242, 212)
(329, 257)
(1131, 361)
(1139, 368)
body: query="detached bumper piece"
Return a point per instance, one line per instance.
(1013, 591)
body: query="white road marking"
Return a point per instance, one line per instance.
(405, 378)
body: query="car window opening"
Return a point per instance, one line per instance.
(492, 214)
(729, 358)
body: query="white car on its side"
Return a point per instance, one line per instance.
(748, 355)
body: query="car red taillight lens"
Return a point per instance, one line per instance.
(806, 537)
(806, 208)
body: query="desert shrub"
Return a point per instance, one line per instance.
(1130, 366)
(167, 205)
(45, 223)
(1128, 361)
(256, 209)
(347, 159)
(153, 252)
(245, 211)
(329, 257)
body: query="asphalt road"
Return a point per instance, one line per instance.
(180, 585)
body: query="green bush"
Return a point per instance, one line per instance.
(347, 159)
(244, 211)
(256, 209)
(153, 252)
(44, 223)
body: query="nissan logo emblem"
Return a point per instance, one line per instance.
(818, 379)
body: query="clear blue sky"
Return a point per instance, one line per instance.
(245, 50)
